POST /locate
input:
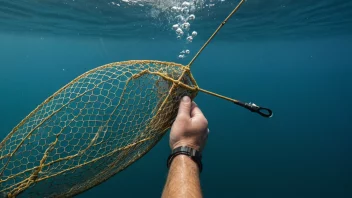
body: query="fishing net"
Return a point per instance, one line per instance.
(96, 126)
(93, 127)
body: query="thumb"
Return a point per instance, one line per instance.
(185, 107)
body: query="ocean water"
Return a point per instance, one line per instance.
(291, 56)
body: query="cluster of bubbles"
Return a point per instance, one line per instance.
(184, 19)
(129, 2)
(183, 53)
(181, 12)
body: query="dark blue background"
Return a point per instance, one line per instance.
(303, 151)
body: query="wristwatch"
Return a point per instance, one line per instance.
(195, 155)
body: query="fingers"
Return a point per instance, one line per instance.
(184, 109)
(195, 110)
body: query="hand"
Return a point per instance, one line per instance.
(190, 127)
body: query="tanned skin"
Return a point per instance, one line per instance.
(189, 129)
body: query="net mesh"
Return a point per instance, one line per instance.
(92, 128)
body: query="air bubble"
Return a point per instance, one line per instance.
(186, 4)
(191, 17)
(186, 26)
(187, 51)
(189, 38)
(194, 33)
(179, 31)
(176, 9)
(175, 26)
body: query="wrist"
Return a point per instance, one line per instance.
(188, 152)
(186, 144)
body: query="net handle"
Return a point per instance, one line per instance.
(265, 112)
(216, 31)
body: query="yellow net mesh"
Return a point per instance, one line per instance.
(93, 128)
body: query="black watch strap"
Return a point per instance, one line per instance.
(195, 155)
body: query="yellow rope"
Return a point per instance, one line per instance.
(218, 95)
(216, 31)
(206, 43)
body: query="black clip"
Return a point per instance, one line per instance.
(265, 112)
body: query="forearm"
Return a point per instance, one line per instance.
(183, 179)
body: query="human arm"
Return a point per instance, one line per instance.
(189, 129)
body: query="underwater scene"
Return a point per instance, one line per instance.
(87, 96)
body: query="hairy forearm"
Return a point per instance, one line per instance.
(183, 179)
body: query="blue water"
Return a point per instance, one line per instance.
(291, 56)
